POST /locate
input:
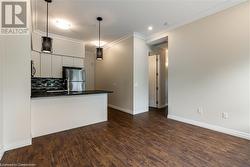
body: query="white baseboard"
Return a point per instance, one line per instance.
(1, 153)
(160, 107)
(140, 112)
(121, 109)
(163, 106)
(212, 127)
(127, 110)
(18, 144)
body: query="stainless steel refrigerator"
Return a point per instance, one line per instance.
(74, 78)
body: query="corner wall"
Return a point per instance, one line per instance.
(209, 70)
(115, 73)
(1, 97)
(124, 71)
(140, 76)
(15, 89)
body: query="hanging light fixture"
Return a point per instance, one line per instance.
(46, 40)
(99, 50)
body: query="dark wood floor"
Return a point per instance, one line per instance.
(145, 140)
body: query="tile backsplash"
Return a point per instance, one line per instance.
(47, 84)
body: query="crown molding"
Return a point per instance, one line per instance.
(134, 34)
(115, 42)
(140, 36)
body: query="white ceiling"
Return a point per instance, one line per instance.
(121, 17)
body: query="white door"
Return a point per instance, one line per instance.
(153, 94)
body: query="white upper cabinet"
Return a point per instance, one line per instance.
(68, 48)
(46, 65)
(35, 57)
(78, 62)
(66, 52)
(68, 61)
(36, 42)
(56, 66)
(61, 46)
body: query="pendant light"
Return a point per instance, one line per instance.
(46, 40)
(99, 50)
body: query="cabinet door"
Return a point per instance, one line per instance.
(68, 61)
(36, 58)
(36, 42)
(67, 47)
(56, 66)
(46, 65)
(78, 62)
(60, 46)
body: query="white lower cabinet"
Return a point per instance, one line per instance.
(46, 65)
(57, 66)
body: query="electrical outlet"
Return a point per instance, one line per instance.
(224, 115)
(200, 110)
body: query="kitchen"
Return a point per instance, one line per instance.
(58, 88)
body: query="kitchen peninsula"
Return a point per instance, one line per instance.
(53, 112)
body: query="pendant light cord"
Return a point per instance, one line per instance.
(47, 27)
(99, 34)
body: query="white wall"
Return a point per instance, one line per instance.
(140, 76)
(1, 97)
(209, 68)
(115, 73)
(15, 63)
(16, 91)
(124, 70)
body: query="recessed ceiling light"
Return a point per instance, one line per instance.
(96, 43)
(63, 24)
(150, 28)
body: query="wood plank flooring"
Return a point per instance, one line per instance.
(145, 140)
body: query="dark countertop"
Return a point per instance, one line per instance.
(43, 93)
